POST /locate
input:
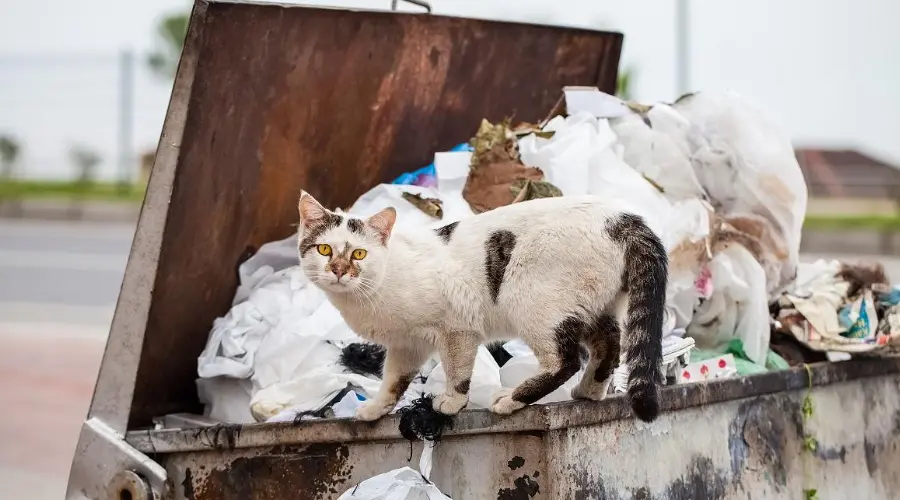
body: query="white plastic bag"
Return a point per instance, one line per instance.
(746, 164)
(654, 146)
(226, 399)
(399, 484)
(484, 384)
(737, 308)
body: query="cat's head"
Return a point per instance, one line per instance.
(340, 253)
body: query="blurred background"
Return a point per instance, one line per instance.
(83, 93)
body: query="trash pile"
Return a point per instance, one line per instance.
(715, 178)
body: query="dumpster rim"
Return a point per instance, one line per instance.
(268, 3)
(535, 418)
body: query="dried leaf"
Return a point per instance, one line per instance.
(524, 129)
(525, 190)
(495, 166)
(654, 183)
(493, 144)
(431, 206)
(641, 109)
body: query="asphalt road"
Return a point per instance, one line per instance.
(61, 273)
(58, 288)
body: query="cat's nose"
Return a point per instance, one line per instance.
(338, 269)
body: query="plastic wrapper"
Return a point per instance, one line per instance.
(737, 308)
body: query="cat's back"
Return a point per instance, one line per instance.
(572, 216)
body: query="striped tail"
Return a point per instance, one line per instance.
(644, 277)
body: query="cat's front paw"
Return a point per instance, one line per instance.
(502, 402)
(450, 404)
(371, 411)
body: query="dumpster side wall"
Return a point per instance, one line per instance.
(761, 447)
(848, 447)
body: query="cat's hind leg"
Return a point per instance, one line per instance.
(458, 351)
(602, 342)
(557, 351)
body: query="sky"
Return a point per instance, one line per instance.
(825, 70)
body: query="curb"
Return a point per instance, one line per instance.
(70, 210)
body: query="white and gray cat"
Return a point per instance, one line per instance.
(555, 272)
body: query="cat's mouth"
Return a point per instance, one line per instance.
(337, 285)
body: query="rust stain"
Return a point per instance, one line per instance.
(331, 101)
(317, 472)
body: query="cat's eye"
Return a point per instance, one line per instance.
(324, 250)
(359, 254)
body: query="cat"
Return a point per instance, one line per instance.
(555, 272)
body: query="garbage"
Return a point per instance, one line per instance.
(710, 174)
(839, 307)
(495, 168)
(429, 206)
(742, 362)
(363, 358)
(419, 420)
(710, 369)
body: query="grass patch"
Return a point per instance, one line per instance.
(10, 190)
(889, 222)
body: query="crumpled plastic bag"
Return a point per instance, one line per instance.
(747, 166)
(226, 399)
(399, 484)
(485, 381)
(656, 145)
(737, 308)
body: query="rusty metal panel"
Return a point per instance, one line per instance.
(472, 467)
(736, 438)
(285, 98)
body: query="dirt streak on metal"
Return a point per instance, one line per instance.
(314, 472)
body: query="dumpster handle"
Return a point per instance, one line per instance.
(420, 3)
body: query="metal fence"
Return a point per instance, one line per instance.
(63, 110)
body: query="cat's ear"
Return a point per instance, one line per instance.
(383, 222)
(311, 212)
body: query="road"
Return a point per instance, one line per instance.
(58, 287)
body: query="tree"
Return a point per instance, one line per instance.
(624, 82)
(9, 155)
(85, 161)
(170, 33)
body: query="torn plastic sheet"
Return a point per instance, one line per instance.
(404, 483)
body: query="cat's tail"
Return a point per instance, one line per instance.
(644, 278)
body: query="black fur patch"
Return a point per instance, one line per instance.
(446, 232)
(604, 340)
(355, 226)
(463, 387)
(644, 276)
(498, 247)
(568, 342)
(312, 233)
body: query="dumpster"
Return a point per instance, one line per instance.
(272, 99)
